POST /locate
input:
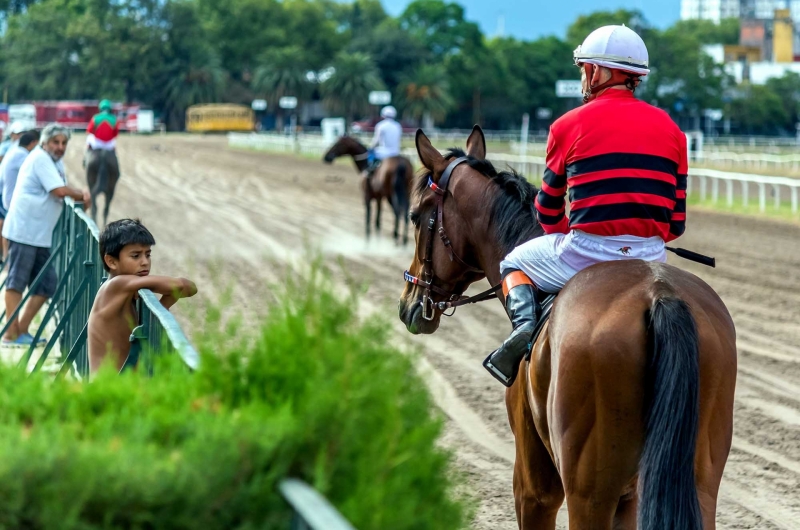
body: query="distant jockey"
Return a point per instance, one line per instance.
(103, 130)
(386, 142)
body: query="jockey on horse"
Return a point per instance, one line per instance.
(624, 164)
(102, 132)
(386, 141)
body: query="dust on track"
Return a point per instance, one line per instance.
(237, 219)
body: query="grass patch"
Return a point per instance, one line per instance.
(313, 394)
(783, 212)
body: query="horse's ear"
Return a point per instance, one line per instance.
(428, 155)
(476, 144)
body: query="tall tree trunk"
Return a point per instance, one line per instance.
(476, 106)
(427, 121)
(279, 120)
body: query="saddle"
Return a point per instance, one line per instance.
(547, 308)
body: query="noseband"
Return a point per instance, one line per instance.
(437, 217)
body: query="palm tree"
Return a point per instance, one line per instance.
(190, 85)
(283, 72)
(425, 95)
(347, 90)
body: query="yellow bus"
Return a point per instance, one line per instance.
(219, 117)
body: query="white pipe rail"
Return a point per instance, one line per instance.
(533, 168)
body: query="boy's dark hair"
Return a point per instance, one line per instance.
(28, 138)
(121, 233)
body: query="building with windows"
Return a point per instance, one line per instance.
(714, 10)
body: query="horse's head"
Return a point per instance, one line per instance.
(344, 146)
(448, 212)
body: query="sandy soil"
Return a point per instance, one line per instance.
(233, 218)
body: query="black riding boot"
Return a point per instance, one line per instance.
(523, 308)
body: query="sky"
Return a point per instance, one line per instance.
(530, 19)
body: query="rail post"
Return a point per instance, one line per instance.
(745, 192)
(729, 190)
(762, 197)
(715, 191)
(703, 188)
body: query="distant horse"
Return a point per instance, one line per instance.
(102, 174)
(625, 407)
(391, 181)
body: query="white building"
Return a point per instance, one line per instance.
(714, 10)
(718, 9)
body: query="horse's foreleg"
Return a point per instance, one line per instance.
(378, 216)
(538, 493)
(94, 208)
(367, 205)
(398, 211)
(109, 196)
(405, 226)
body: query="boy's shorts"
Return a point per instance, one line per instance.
(25, 262)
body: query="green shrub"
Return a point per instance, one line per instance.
(314, 395)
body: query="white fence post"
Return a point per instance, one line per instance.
(729, 189)
(762, 197)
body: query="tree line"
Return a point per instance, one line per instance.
(171, 54)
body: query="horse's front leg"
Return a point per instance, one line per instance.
(378, 216)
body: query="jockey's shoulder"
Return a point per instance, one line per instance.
(643, 111)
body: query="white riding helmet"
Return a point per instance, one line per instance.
(389, 112)
(615, 47)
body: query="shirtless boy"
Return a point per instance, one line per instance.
(125, 250)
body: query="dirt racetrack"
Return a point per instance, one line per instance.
(233, 213)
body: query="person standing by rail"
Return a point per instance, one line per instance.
(9, 170)
(32, 216)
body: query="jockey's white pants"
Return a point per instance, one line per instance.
(97, 144)
(551, 260)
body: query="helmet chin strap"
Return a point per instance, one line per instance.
(618, 78)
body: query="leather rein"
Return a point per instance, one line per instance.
(437, 217)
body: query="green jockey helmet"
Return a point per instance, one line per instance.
(105, 105)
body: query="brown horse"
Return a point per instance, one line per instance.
(102, 174)
(391, 181)
(625, 407)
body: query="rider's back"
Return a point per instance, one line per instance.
(624, 163)
(104, 126)
(389, 134)
(618, 122)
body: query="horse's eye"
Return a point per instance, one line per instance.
(414, 218)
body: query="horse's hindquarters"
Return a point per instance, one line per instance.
(591, 389)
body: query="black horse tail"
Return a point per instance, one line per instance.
(667, 490)
(401, 199)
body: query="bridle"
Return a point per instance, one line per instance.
(454, 300)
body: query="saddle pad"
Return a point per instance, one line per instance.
(547, 307)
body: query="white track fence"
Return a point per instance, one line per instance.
(710, 185)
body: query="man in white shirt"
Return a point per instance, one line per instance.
(386, 141)
(32, 216)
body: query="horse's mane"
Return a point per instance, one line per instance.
(513, 216)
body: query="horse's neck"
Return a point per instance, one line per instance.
(360, 159)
